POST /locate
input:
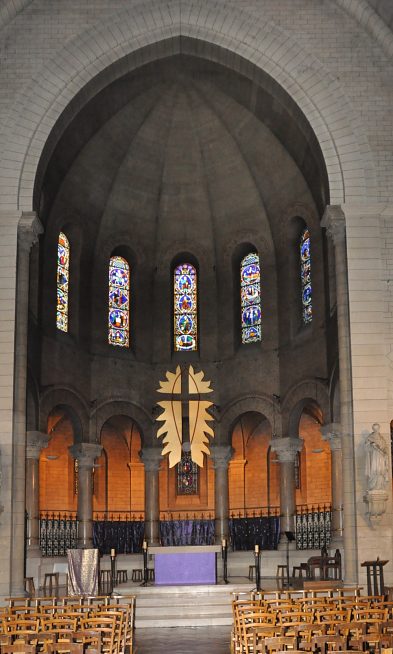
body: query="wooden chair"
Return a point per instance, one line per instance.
(328, 643)
(278, 643)
(64, 648)
(23, 648)
(106, 626)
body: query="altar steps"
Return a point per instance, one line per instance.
(182, 606)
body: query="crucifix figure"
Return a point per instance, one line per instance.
(185, 420)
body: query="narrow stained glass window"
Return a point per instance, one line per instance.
(63, 280)
(119, 302)
(305, 276)
(250, 298)
(185, 308)
(187, 476)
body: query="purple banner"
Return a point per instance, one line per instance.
(185, 568)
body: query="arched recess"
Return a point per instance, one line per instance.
(76, 410)
(235, 36)
(253, 485)
(136, 413)
(313, 473)
(310, 391)
(119, 483)
(263, 405)
(57, 471)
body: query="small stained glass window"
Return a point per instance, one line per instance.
(63, 280)
(305, 277)
(187, 476)
(250, 298)
(119, 302)
(185, 308)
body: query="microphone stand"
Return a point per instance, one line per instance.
(113, 569)
(145, 573)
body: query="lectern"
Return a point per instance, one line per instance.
(375, 572)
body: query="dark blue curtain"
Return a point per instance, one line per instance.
(125, 536)
(187, 532)
(245, 533)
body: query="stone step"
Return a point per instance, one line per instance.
(178, 621)
(182, 611)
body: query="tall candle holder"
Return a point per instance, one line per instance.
(224, 554)
(145, 571)
(257, 559)
(113, 569)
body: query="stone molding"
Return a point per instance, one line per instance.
(151, 457)
(221, 456)
(86, 453)
(29, 229)
(331, 433)
(36, 441)
(287, 448)
(334, 222)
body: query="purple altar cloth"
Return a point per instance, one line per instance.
(185, 568)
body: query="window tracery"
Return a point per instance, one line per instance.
(305, 277)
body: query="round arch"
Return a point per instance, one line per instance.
(232, 412)
(127, 38)
(138, 414)
(75, 406)
(309, 392)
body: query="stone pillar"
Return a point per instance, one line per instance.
(86, 453)
(334, 221)
(221, 455)
(332, 434)
(286, 449)
(151, 457)
(29, 228)
(36, 441)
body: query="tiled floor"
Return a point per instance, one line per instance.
(183, 640)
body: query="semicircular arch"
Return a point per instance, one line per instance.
(85, 63)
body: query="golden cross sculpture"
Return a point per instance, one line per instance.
(185, 420)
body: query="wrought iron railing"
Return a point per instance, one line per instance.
(58, 533)
(256, 512)
(313, 527)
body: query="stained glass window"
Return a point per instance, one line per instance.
(305, 276)
(119, 302)
(187, 476)
(250, 297)
(63, 280)
(185, 308)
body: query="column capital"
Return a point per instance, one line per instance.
(29, 229)
(151, 457)
(221, 455)
(36, 441)
(286, 448)
(334, 221)
(86, 453)
(332, 434)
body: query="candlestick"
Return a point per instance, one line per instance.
(224, 542)
(144, 546)
(113, 553)
(256, 549)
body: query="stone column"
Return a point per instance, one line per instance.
(151, 457)
(29, 228)
(36, 441)
(286, 449)
(86, 453)
(332, 434)
(221, 455)
(334, 221)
